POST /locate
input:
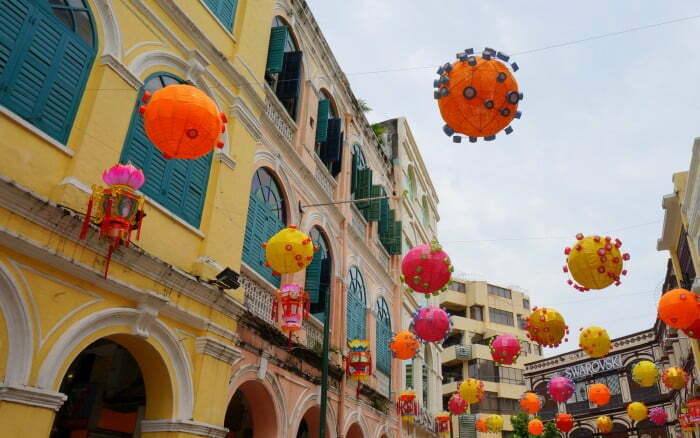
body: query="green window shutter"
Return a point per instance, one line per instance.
(262, 223)
(322, 120)
(225, 11)
(364, 183)
(275, 50)
(395, 247)
(323, 289)
(374, 210)
(289, 81)
(409, 375)
(312, 284)
(386, 232)
(353, 175)
(15, 29)
(383, 337)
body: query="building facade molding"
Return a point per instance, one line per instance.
(217, 349)
(31, 396)
(20, 334)
(184, 426)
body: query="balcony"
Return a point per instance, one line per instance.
(278, 116)
(453, 299)
(457, 352)
(324, 178)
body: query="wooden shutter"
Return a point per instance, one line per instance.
(323, 290)
(395, 246)
(261, 224)
(409, 375)
(313, 278)
(331, 146)
(275, 49)
(364, 183)
(353, 174)
(225, 11)
(290, 76)
(386, 231)
(15, 29)
(322, 120)
(356, 318)
(374, 210)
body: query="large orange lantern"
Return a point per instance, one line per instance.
(407, 406)
(535, 427)
(118, 209)
(404, 345)
(599, 394)
(359, 361)
(480, 425)
(595, 341)
(288, 251)
(546, 327)
(595, 262)
(442, 424)
(182, 121)
(477, 95)
(530, 403)
(564, 422)
(472, 390)
(295, 307)
(679, 308)
(604, 424)
(674, 378)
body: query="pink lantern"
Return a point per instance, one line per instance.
(457, 405)
(560, 389)
(505, 349)
(426, 269)
(124, 175)
(658, 416)
(431, 323)
(295, 307)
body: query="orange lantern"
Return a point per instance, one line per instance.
(679, 308)
(182, 121)
(442, 424)
(481, 425)
(694, 410)
(359, 361)
(404, 345)
(406, 405)
(599, 394)
(564, 422)
(477, 95)
(295, 307)
(535, 427)
(674, 378)
(530, 403)
(687, 426)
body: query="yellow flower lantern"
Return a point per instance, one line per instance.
(288, 251)
(546, 327)
(494, 423)
(637, 411)
(595, 341)
(472, 390)
(645, 373)
(595, 262)
(675, 378)
(604, 424)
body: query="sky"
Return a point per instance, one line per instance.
(605, 125)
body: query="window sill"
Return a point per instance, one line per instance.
(36, 131)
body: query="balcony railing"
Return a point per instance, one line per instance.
(324, 178)
(382, 255)
(276, 113)
(463, 352)
(358, 222)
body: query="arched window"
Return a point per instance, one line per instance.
(46, 51)
(318, 275)
(224, 10)
(357, 301)
(283, 71)
(329, 137)
(383, 337)
(178, 185)
(266, 216)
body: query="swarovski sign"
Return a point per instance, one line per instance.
(592, 367)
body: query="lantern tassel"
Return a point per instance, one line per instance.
(109, 259)
(86, 221)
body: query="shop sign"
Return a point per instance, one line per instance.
(577, 372)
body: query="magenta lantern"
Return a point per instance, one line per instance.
(560, 389)
(457, 405)
(658, 416)
(431, 323)
(505, 349)
(295, 307)
(426, 269)
(124, 175)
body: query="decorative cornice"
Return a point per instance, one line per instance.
(149, 306)
(123, 71)
(243, 113)
(184, 426)
(28, 395)
(219, 350)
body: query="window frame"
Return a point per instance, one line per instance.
(497, 316)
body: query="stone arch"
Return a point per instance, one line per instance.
(356, 423)
(163, 362)
(109, 29)
(309, 401)
(20, 334)
(265, 388)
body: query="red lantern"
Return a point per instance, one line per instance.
(442, 424)
(426, 269)
(359, 361)
(406, 405)
(457, 405)
(694, 410)
(505, 349)
(564, 422)
(295, 307)
(118, 208)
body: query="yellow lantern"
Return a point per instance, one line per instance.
(546, 327)
(637, 411)
(595, 341)
(472, 390)
(604, 424)
(674, 378)
(288, 251)
(645, 373)
(594, 262)
(494, 423)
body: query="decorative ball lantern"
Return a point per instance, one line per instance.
(693, 330)
(118, 209)
(407, 406)
(637, 411)
(404, 345)
(457, 405)
(679, 308)
(530, 403)
(694, 410)
(477, 95)
(431, 323)
(182, 121)
(505, 349)
(604, 424)
(472, 390)
(480, 425)
(645, 373)
(675, 378)
(426, 269)
(564, 422)
(494, 423)
(535, 427)
(288, 251)
(594, 262)
(442, 424)
(295, 307)
(358, 365)
(595, 341)
(546, 327)
(599, 394)
(560, 389)
(658, 416)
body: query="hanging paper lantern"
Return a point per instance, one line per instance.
(182, 121)
(595, 341)
(604, 424)
(494, 423)
(407, 406)
(546, 327)
(457, 405)
(564, 422)
(472, 390)
(118, 208)
(431, 323)
(645, 373)
(478, 95)
(480, 425)
(288, 251)
(560, 389)
(535, 427)
(442, 424)
(675, 378)
(694, 410)
(658, 416)
(637, 411)
(595, 262)
(530, 403)
(426, 269)
(295, 307)
(505, 349)
(679, 308)
(693, 331)
(599, 394)
(359, 362)
(404, 345)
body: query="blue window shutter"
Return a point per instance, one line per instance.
(261, 224)
(324, 287)
(322, 120)
(275, 50)
(383, 339)
(289, 81)
(332, 147)
(225, 11)
(313, 278)
(14, 28)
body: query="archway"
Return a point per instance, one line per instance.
(647, 429)
(580, 432)
(355, 431)
(251, 412)
(309, 424)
